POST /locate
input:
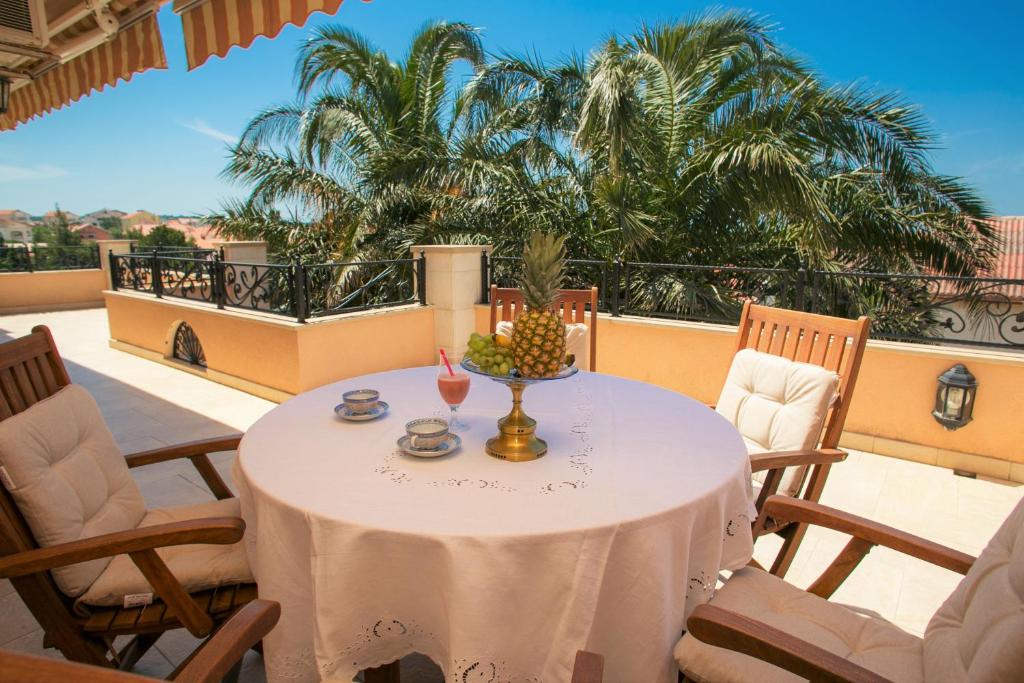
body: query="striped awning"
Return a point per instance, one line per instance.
(212, 27)
(133, 50)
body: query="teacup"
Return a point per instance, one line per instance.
(361, 401)
(427, 433)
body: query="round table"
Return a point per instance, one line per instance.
(498, 571)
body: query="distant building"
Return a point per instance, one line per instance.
(15, 225)
(69, 215)
(13, 231)
(202, 233)
(14, 216)
(996, 320)
(137, 218)
(91, 231)
(95, 216)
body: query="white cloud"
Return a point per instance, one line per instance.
(10, 174)
(203, 128)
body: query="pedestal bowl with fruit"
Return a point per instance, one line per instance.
(535, 352)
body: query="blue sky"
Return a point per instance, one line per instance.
(159, 141)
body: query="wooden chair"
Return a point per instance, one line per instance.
(31, 369)
(572, 304)
(836, 344)
(977, 634)
(218, 658)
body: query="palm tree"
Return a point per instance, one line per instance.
(701, 142)
(696, 142)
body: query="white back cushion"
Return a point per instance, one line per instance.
(68, 478)
(777, 405)
(978, 633)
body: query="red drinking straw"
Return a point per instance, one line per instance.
(444, 357)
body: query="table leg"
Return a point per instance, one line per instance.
(389, 673)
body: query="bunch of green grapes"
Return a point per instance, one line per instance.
(489, 355)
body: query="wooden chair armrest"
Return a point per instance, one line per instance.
(589, 667)
(815, 456)
(870, 532)
(228, 645)
(197, 452)
(732, 631)
(16, 667)
(212, 530)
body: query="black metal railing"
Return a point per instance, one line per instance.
(26, 259)
(166, 250)
(504, 271)
(333, 288)
(296, 290)
(933, 309)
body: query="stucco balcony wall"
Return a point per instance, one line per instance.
(51, 290)
(271, 356)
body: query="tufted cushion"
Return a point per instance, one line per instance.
(777, 405)
(868, 641)
(978, 633)
(68, 478)
(197, 567)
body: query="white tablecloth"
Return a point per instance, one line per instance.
(497, 571)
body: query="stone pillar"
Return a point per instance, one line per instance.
(245, 252)
(116, 246)
(453, 289)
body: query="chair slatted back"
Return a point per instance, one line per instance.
(574, 305)
(30, 370)
(836, 344)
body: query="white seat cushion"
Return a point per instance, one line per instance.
(777, 405)
(868, 641)
(68, 478)
(978, 633)
(197, 567)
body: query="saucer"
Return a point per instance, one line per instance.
(450, 443)
(346, 414)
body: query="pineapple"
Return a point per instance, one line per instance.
(538, 335)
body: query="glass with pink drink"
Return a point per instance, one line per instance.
(453, 385)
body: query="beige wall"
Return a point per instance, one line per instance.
(892, 403)
(51, 290)
(274, 353)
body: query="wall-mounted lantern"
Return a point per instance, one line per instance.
(954, 400)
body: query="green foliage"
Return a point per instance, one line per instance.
(56, 231)
(161, 236)
(113, 225)
(695, 142)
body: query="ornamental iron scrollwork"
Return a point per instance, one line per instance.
(134, 272)
(187, 346)
(188, 278)
(260, 287)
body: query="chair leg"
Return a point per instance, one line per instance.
(135, 649)
(389, 673)
(793, 535)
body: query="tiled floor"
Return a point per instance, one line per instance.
(147, 404)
